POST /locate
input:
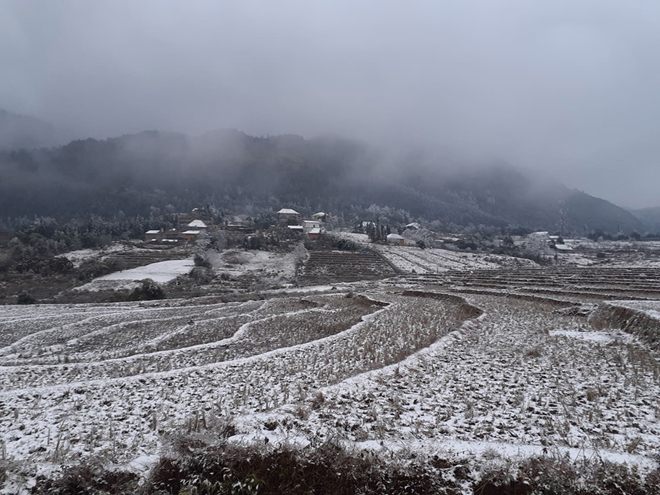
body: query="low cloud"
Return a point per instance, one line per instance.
(565, 87)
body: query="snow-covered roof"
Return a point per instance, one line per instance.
(311, 222)
(153, 232)
(394, 237)
(295, 227)
(563, 247)
(198, 224)
(288, 211)
(315, 231)
(191, 232)
(413, 225)
(318, 215)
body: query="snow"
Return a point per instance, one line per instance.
(265, 264)
(160, 272)
(600, 337)
(288, 211)
(197, 224)
(81, 255)
(421, 261)
(478, 375)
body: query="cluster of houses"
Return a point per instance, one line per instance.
(312, 228)
(189, 233)
(543, 241)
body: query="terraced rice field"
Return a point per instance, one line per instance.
(481, 363)
(344, 266)
(409, 259)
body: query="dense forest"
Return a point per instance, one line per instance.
(157, 172)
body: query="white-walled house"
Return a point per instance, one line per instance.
(308, 225)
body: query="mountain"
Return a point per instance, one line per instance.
(137, 173)
(650, 217)
(23, 132)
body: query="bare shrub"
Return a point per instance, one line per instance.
(149, 290)
(533, 353)
(546, 474)
(592, 395)
(327, 469)
(88, 477)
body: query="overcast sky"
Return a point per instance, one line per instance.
(567, 86)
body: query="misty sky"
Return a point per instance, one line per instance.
(567, 86)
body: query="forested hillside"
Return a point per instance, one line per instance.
(134, 174)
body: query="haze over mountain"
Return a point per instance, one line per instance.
(566, 87)
(23, 132)
(650, 217)
(136, 173)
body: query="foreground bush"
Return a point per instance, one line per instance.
(195, 467)
(24, 297)
(328, 469)
(89, 477)
(557, 475)
(148, 291)
(332, 469)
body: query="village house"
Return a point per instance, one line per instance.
(315, 233)
(395, 239)
(563, 248)
(198, 224)
(309, 225)
(238, 223)
(153, 236)
(190, 235)
(167, 237)
(171, 236)
(288, 215)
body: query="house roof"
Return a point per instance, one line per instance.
(295, 227)
(288, 211)
(319, 214)
(315, 231)
(152, 232)
(314, 222)
(563, 247)
(197, 224)
(191, 232)
(394, 237)
(413, 225)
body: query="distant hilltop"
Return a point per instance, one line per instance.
(23, 132)
(134, 174)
